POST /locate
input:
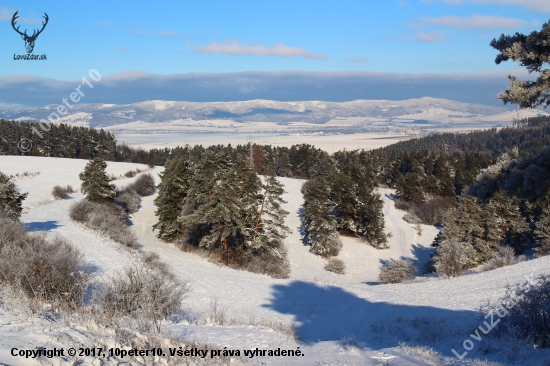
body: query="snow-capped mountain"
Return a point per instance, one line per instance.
(318, 112)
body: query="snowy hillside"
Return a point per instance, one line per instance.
(339, 319)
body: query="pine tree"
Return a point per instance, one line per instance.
(511, 223)
(175, 182)
(219, 215)
(10, 200)
(542, 232)
(284, 169)
(344, 197)
(531, 51)
(95, 183)
(317, 219)
(270, 228)
(369, 219)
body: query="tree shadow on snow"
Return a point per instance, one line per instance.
(328, 313)
(42, 226)
(420, 255)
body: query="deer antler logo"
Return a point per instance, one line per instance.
(29, 40)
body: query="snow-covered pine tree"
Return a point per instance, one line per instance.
(10, 200)
(344, 197)
(284, 168)
(512, 224)
(369, 219)
(250, 197)
(465, 224)
(317, 219)
(175, 182)
(542, 232)
(443, 172)
(270, 228)
(218, 216)
(95, 183)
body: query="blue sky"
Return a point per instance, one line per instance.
(182, 37)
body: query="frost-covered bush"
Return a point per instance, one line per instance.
(144, 185)
(336, 266)
(527, 310)
(397, 271)
(109, 219)
(128, 199)
(268, 263)
(504, 256)
(326, 245)
(60, 193)
(130, 173)
(80, 210)
(450, 258)
(146, 296)
(41, 268)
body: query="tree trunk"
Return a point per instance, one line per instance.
(260, 216)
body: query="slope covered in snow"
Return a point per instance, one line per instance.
(340, 320)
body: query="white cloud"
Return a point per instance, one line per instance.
(531, 5)
(234, 47)
(474, 22)
(5, 14)
(356, 59)
(168, 32)
(430, 37)
(142, 31)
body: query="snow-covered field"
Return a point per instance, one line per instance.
(340, 319)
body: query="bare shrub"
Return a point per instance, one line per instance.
(109, 219)
(41, 268)
(217, 314)
(336, 266)
(146, 296)
(425, 353)
(527, 310)
(153, 262)
(397, 271)
(418, 229)
(144, 185)
(11, 230)
(130, 174)
(60, 193)
(450, 258)
(269, 264)
(504, 256)
(431, 212)
(411, 218)
(128, 199)
(80, 211)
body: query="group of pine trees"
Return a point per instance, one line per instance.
(340, 197)
(506, 203)
(217, 202)
(56, 140)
